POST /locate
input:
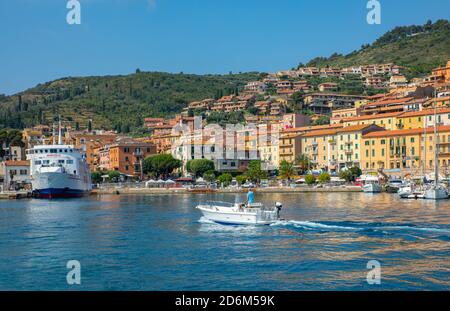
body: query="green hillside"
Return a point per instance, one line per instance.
(419, 48)
(114, 102)
(121, 102)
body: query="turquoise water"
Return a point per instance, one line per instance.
(162, 243)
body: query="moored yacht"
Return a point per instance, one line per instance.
(436, 191)
(371, 185)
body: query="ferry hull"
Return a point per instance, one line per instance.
(59, 185)
(53, 193)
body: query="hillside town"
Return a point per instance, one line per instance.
(292, 121)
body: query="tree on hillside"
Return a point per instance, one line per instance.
(161, 165)
(322, 120)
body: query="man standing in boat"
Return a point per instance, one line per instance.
(250, 197)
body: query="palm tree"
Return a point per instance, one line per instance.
(287, 170)
(303, 162)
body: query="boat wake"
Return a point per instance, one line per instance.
(364, 228)
(346, 226)
(204, 220)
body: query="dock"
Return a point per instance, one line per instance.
(15, 195)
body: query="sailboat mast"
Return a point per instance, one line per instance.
(436, 167)
(59, 132)
(53, 134)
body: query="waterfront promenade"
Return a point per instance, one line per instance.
(131, 190)
(12, 195)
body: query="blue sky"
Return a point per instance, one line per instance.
(192, 36)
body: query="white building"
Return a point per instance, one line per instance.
(14, 173)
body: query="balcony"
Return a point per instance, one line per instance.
(138, 153)
(315, 152)
(332, 142)
(348, 152)
(349, 143)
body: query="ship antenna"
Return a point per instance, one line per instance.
(59, 132)
(54, 134)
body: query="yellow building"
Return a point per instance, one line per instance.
(424, 118)
(32, 137)
(389, 121)
(335, 149)
(289, 147)
(321, 148)
(406, 150)
(349, 140)
(269, 154)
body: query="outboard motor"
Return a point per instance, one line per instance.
(278, 206)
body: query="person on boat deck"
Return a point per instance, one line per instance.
(250, 197)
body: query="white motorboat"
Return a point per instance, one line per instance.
(410, 192)
(371, 184)
(240, 213)
(436, 193)
(372, 188)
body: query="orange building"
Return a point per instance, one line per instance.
(127, 156)
(442, 74)
(91, 144)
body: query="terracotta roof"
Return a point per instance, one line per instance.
(373, 116)
(321, 133)
(445, 128)
(354, 128)
(287, 135)
(313, 128)
(17, 163)
(389, 101)
(425, 112)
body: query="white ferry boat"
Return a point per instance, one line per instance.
(59, 171)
